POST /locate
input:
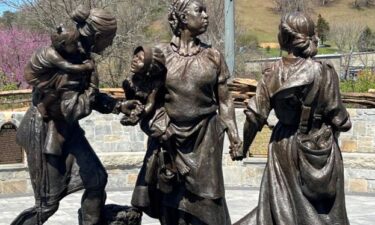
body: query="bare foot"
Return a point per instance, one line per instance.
(181, 166)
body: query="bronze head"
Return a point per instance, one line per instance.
(188, 14)
(65, 41)
(297, 35)
(148, 61)
(97, 27)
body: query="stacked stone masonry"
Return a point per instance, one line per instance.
(121, 150)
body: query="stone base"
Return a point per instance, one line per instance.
(118, 215)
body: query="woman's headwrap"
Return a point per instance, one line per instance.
(94, 21)
(176, 9)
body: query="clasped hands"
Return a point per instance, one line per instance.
(236, 148)
(132, 110)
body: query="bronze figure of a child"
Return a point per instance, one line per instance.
(52, 75)
(146, 84)
(42, 71)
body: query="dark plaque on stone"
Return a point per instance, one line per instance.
(10, 151)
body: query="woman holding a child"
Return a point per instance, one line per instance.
(198, 110)
(61, 160)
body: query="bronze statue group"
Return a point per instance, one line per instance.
(178, 94)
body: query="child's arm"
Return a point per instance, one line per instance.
(151, 100)
(128, 90)
(57, 60)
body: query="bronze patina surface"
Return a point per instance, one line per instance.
(65, 89)
(303, 182)
(189, 186)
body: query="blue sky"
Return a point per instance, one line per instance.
(4, 8)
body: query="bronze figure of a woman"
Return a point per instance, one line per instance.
(60, 159)
(200, 111)
(303, 182)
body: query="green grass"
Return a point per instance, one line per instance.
(327, 50)
(273, 52)
(355, 86)
(365, 81)
(257, 17)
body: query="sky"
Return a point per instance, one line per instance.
(4, 8)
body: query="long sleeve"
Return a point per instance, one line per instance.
(334, 111)
(226, 108)
(256, 113)
(259, 106)
(104, 103)
(76, 106)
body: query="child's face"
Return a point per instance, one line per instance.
(71, 48)
(137, 62)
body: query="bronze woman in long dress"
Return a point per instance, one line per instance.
(196, 91)
(303, 182)
(58, 168)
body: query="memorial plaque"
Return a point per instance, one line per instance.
(10, 151)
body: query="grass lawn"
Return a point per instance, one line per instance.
(273, 52)
(257, 17)
(327, 50)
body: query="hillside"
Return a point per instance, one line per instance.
(256, 16)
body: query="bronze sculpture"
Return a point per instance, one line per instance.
(145, 82)
(303, 183)
(41, 70)
(61, 160)
(195, 89)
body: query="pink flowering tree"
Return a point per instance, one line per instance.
(16, 47)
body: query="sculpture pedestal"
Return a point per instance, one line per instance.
(118, 215)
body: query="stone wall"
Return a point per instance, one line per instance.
(361, 138)
(121, 150)
(358, 146)
(106, 134)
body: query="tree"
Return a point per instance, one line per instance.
(16, 48)
(134, 19)
(286, 6)
(345, 35)
(140, 22)
(366, 40)
(322, 28)
(8, 18)
(324, 2)
(215, 33)
(359, 4)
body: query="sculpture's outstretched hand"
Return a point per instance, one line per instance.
(235, 149)
(130, 120)
(133, 107)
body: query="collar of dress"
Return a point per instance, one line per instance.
(176, 43)
(302, 75)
